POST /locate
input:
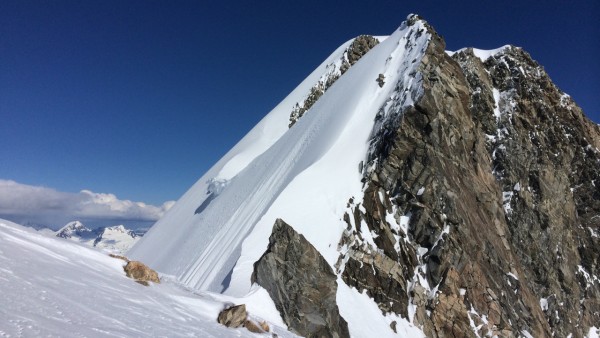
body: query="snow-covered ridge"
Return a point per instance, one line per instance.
(308, 166)
(355, 50)
(259, 139)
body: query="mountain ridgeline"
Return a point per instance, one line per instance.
(459, 191)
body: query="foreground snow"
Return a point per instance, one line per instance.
(53, 287)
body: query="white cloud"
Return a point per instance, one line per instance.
(40, 205)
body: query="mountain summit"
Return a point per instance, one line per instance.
(403, 189)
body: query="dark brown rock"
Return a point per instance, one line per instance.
(380, 80)
(357, 49)
(301, 284)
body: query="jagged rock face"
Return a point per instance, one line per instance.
(359, 47)
(301, 283)
(545, 158)
(482, 202)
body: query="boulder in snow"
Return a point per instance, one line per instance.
(234, 316)
(141, 273)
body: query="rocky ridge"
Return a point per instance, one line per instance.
(357, 49)
(480, 211)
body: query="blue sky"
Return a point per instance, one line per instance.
(140, 98)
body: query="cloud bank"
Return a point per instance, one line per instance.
(27, 204)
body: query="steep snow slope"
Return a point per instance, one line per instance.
(52, 287)
(199, 240)
(213, 235)
(167, 233)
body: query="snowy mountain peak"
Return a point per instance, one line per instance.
(115, 239)
(119, 229)
(307, 165)
(389, 169)
(75, 229)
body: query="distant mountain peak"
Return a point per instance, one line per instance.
(75, 229)
(117, 239)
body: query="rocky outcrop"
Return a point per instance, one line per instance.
(545, 158)
(357, 49)
(481, 203)
(236, 316)
(301, 284)
(256, 327)
(233, 316)
(141, 273)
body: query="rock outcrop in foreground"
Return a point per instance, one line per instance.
(301, 283)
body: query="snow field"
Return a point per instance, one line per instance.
(53, 287)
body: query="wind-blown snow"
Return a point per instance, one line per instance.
(305, 175)
(53, 287)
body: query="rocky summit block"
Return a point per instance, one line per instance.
(301, 283)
